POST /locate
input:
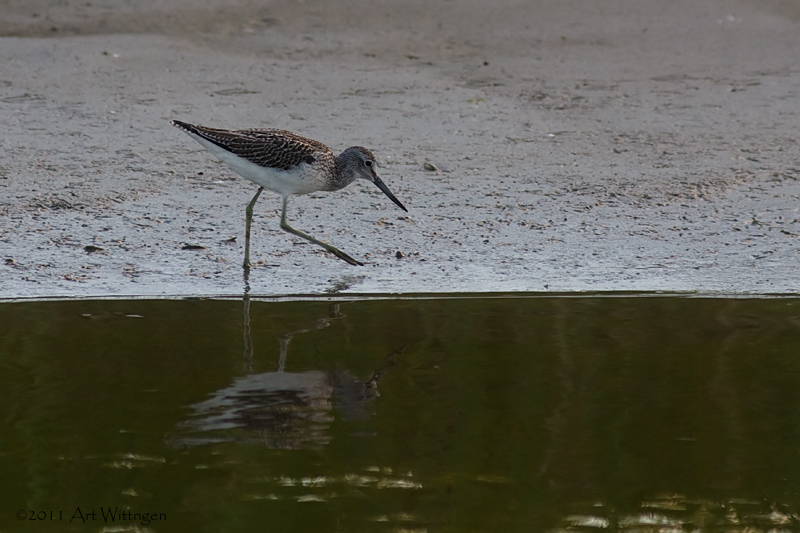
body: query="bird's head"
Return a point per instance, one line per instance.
(360, 163)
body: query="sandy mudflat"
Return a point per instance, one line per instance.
(625, 145)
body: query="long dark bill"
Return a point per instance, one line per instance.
(382, 186)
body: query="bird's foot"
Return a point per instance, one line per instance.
(343, 256)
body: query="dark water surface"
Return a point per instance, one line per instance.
(504, 414)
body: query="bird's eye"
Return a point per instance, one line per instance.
(368, 163)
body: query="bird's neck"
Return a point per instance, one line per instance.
(343, 173)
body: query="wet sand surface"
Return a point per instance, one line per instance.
(577, 146)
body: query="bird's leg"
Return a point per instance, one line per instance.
(248, 218)
(335, 251)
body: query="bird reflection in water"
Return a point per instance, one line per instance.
(285, 410)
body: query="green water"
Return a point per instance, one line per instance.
(505, 414)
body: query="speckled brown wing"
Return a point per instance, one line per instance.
(265, 147)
